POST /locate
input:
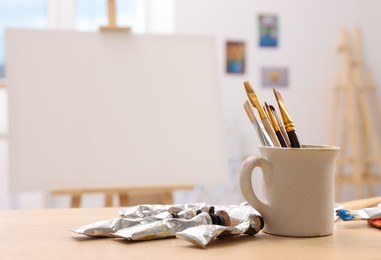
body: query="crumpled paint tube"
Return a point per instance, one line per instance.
(105, 228)
(145, 222)
(162, 229)
(202, 235)
(141, 214)
(375, 222)
(147, 210)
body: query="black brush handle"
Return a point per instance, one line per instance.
(281, 138)
(293, 139)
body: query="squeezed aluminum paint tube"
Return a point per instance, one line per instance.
(147, 210)
(146, 222)
(137, 215)
(105, 228)
(250, 223)
(162, 229)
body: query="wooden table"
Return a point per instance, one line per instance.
(44, 234)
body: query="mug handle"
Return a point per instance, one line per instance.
(246, 185)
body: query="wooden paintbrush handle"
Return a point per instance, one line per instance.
(281, 139)
(293, 139)
(271, 132)
(362, 203)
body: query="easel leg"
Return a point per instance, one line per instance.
(75, 201)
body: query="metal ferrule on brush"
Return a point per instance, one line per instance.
(265, 120)
(264, 135)
(287, 121)
(289, 126)
(256, 103)
(254, 100)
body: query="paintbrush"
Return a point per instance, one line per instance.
(281, 126)
(262, 114)
(359, 214)
(275, 126)
(362, 203)
(263, 135)
(287, 121)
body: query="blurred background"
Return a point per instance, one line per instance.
(302, 64)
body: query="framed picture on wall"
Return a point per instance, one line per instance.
(268, 30)
(235, 57)
(274, 76)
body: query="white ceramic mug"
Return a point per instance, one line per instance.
(299, 186)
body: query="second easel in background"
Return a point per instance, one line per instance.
(355, 121)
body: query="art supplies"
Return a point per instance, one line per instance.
(281, 134)
(287, 121)
(141, 214)
(375, 222)
(162, 229)
(154, 221)
(250, 223)
(261, 131)
(265, 120)
(275, 125)
(372, 215)
(362, 203)
(360, 214)
(281, 126)
(106, 228)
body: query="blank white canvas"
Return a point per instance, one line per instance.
(112, 109)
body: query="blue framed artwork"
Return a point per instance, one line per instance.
(268, 31)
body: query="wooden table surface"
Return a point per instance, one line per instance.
(44, 234)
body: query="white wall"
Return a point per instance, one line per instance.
(309, 35)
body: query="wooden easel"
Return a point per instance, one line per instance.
(356, 110)
(112, 26)
(128, 196)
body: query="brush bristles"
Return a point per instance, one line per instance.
(346, 215)
(248, 87)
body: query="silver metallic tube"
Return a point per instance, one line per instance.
(162, 229)
(263, 134)
(201, 236)
(141, 214)
(105, 228)
(146, 210)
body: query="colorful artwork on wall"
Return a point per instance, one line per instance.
(275, 76)
(235, 57)
(268, 31)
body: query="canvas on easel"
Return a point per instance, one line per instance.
(355, 120)
(113, 109)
